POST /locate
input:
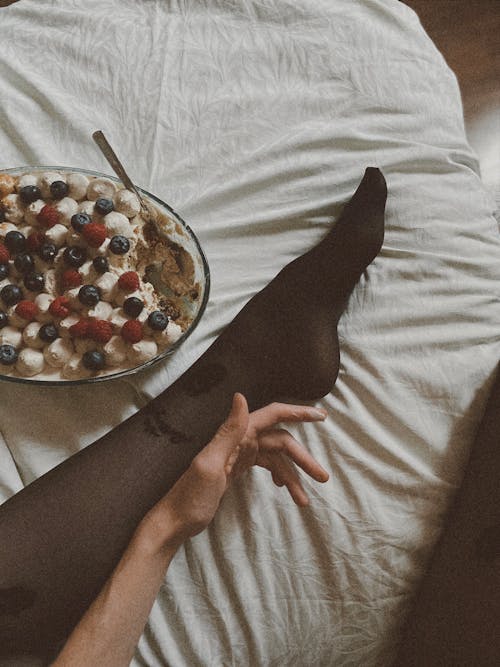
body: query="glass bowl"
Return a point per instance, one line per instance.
(181, 234)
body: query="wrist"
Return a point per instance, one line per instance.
(158, 536)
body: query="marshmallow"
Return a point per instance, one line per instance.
(57, 234)
(142, 351)
(30, 362)
(25, 180)
(118, 318)
(32, 211)
(107, 285)
(101, 311)
(13, 208)
(11, 336)
(78, 184)
(14, 319)
(50, 282)
(7, 185)
(117, 223)
(101, 187)
(67, 207)
(73, 368)
(115, 351)
(126, 202)
(58, 352)
(87, 207)
(6, 227)
(66, 323)
(46, 179)
(31, 337)
(43, 302)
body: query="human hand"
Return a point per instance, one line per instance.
(244, 439)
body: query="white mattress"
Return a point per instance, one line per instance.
(255, 120)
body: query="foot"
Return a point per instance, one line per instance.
(284, 342)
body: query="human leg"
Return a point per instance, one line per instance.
(455, 619)
(63, 534)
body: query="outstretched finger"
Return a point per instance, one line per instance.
(274, 413)
(285, 472)
(282, 441)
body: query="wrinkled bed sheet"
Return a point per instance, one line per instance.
(255, 120)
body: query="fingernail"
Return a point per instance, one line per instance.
(319, 413)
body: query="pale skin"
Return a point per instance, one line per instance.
(109, 631)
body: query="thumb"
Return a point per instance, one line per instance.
(231, 432)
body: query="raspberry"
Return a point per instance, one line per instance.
(100, 330)
(4, 254)
(48, 216)
(28, 310)
(71, 278)
(129, 281)
(94, 233)
(80, 329)
(59, 307)
(35, 241)
(132, 331)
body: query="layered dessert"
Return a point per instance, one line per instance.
(90, 282)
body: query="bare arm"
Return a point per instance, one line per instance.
(110, 629)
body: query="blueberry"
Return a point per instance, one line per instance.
(119, 245)
(103, 206)
(75, 256)
(47, 252)
(11, 294)
(79, 220)
(4, 320)
(48, 333)
(89, 295)
(101, 264)
(93, 360)
(158, 320)
(24, 262)
(58, 189)
(29, 194)
(133, 306)
(15, 241)
(4, 271)
(34, 281)
(8, 355)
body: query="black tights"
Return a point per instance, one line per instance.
(62, 535)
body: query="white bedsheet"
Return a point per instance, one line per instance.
(255, 119)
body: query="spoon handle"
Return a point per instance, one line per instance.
(115, 163)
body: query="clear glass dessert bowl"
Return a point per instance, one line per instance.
(173, 245)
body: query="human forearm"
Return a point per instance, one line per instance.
(110, 629)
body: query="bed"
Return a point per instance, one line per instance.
(255, 120)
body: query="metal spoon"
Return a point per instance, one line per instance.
(153, 271)
(117, 167)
